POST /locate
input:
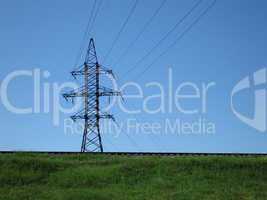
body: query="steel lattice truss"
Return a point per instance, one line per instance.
(91, 91)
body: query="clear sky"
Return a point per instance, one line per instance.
(226, 45)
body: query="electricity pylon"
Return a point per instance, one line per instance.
(91, 91)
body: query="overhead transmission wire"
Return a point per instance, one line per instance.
(121, 30)
(142, 30)
(127, 50)
(110, 142)
(177, 40)
(165, 37)
(96, 14)
(79, 54)
(133, 142)
(136, 144)
(88, 30)
(89, 27)
(179, 22)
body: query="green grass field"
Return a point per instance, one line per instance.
(103, 177)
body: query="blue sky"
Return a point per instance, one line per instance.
(226, 45)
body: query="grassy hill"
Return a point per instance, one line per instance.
(103, 177)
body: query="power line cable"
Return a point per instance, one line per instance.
(96, 14)
(79, 54)
(106, 138)
(177, 40)
(165, 36)
(121, 30)
(90, 29)
(133, 142)
(143, 29)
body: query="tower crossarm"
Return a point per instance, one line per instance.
(79, 92)
(104, 91)
(102, 70)
(82, 115)
(74, 94)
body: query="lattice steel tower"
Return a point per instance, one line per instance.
(91, 91)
